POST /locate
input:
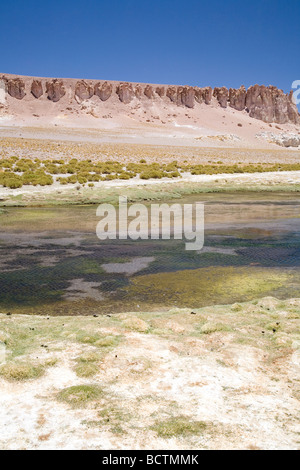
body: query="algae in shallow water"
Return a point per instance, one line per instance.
(204, 286)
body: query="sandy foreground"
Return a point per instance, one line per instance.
(212, 378)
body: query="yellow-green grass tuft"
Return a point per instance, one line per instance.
(179, 426)
(80, 395)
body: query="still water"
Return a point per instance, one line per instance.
(52, 263)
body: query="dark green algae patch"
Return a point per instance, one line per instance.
(194, 288)
(201, 287)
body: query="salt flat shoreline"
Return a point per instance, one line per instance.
(218, 377)
(285, 181)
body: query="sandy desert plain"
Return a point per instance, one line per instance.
(214, 366)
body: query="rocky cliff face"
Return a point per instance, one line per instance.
(55, 90)
(16, 88)
(222, 95)
(84, 91)
(271, 105)
(268, 104)
(37, 89)
(237, 98)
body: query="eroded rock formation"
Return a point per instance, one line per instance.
(186, 96)
(83, 90)
(237, 98)
(268, 104)
(16, 88)
(149, 92)
(125, 92)
(160, 90)
(198, 95)
(182, 96)
(138, 91)
(172, 93)
(222, 95)
(55, 90)
(37, 89)
(103, 90)
(207, 94)
(293, 115)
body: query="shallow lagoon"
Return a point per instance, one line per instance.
(51, 261)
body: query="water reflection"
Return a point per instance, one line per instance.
(52, 262)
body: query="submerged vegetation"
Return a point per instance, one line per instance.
(203, 286)
(67, 271)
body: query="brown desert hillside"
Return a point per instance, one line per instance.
(259, 116)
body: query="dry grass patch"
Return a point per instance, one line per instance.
(139, 365)
(80, 395)
(98, 340)
(90, 356)
(137, 324)
(152, 389)
(211, 327)
(179, 426)
(87, 364)
(86, 370)
(21, 371)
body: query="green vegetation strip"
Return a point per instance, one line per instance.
(16, 172)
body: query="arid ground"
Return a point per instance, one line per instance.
(210, 378)
(220, 377)
(62, 146)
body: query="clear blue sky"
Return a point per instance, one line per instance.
(209, 42)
